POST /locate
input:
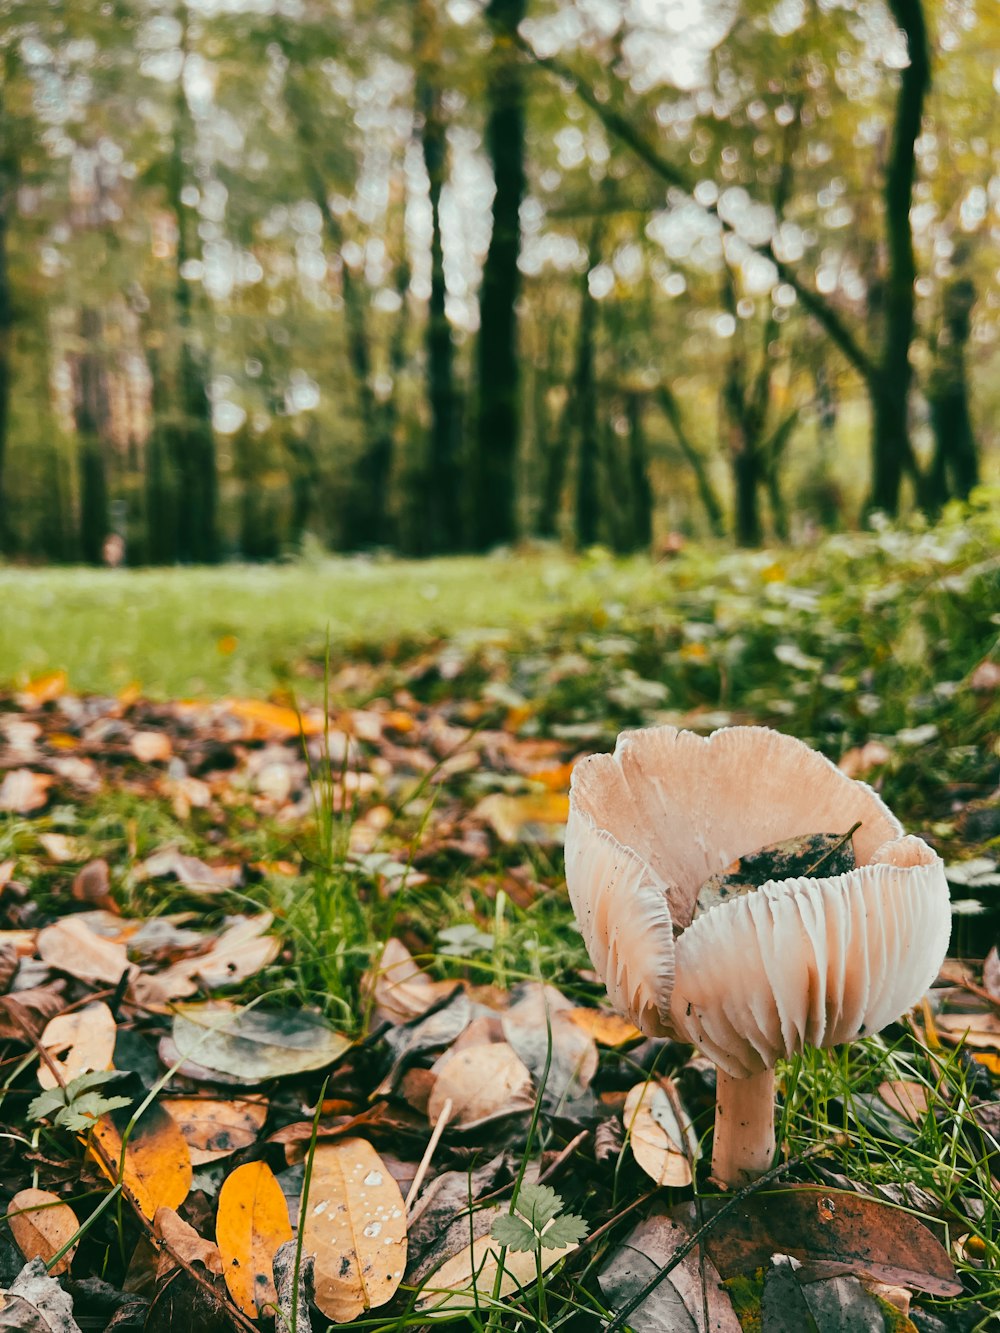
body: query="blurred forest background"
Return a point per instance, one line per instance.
(439, 275)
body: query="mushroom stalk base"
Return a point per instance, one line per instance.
(744, 1127)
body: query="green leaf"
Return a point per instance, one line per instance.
(95, 1078)
(46, 1103)
(514, 1232)
(567, 1229)
(538, 1204)
(88, 1108)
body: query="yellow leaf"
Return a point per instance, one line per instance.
(355, 1226)
(157, 1165)
(660, 1134)
(266, 720)
(41, 1225)
(539, 816)
(251, 1226)
(606, 1029)
(44, 689)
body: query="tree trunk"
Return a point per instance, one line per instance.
(499, 424)
(8, 177)
(641, 489)
(443, 481)
(583, 406)
(892, 453)
(91, 424)
(746, 477)
(955, 469)
(710, 502)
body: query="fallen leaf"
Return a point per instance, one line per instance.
(43, 689)
(251, 1224)
(660, 1135)
(213, 1128)
(401, 989)
(25, 1014)
(41, 1225)
(265, 720)
(151, 747)
(537, 817)
(979, 1030)
(92, 885)
(68, 946)
(678, 1304)
(191, 871)
(480, 1081)
(822, 1224)
(255, 1044)
(467, 1280)
(991, 973)
(355, 1227)
(61, 848)
(239, 952)
(606, 1028)
(906, 1098)
(861, 759)
(185, 1243)
(78, 1042)
(544, 1037)
(36, 1303)
(24, 791)
(156, 1168)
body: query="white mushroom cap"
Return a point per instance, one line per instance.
(800, 960)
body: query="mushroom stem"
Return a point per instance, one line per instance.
(744, 1127)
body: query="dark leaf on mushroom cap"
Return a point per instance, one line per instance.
(811, 855)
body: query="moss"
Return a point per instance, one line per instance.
(745, 1292)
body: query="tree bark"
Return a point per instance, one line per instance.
(640, 487)
(583, 405)
(499, 418)
(91, 424)
(710, 502)
(955, 467)
(444, 512)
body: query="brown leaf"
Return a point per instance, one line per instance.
(213, 1128)
(41, 1225)
(991, 973)
(78, 1042)
(61, 848)
(251, 1226)
(27, 1011)
(480, 1081)
(191, 871)
(239, 952)
(660, 1133)
(92, 885)
(906, 1098)
(979, 1030)
(355, 1226)
(68, 946)
(865, 1236)
(157, 1163)
(402, 991)
(185, 1243)
(151, 747)
(24, 791)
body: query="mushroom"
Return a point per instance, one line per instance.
(759, 974)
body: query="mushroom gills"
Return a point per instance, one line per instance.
(809, 856)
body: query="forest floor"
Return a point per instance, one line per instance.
(283, 930)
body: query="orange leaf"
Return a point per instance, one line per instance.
(157, 1165)
(251, 1226)
(41, 1225)
(266, 719)
(606, 1029)
(43, 689)
(213, 1128)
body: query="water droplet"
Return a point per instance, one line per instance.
(373, 1178)
(373, 1228)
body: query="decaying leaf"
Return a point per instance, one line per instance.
(182, 1240)
(906, 1099)
(662, 1139)
(256, 1044)
(239, 952)
(355, 1227)
(537, 817)
(677, 1304)
(480, 1081)
(24, 791)
(606, 1028)
(157, 1165)
(78, 1042)
(981, 1030)
(213, 1128)
(41, 1225)
(36, 1303)
(401, 989)
(811, 855)
(251, 1225)
(24, 1015)
(69, 946)
(191, 871)
(852, 1230)
(543, 1035)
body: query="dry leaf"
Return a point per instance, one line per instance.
(213, 1128)
(191, 871)
(906, 1098)
(543, 1036)
(44, 689)
(78, 1042)
(69, 946)
(480, 1081)
(255, 1044)
(266, 720)
(61, 848)
(92, 885)
(454, 1287)
(660, 1134)
(251, 1225)
(41, 1225)
(355, 1226)
(606, 1028)
(402, 991)
(240, 951)
(979, 1030)
(991, 973)
(151, 747)
(157, 1164)
(537, 817)
(24, 791)
(26, 1013)
(185, 1243)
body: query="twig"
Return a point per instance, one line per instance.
(425, 1161)
(564, 1156)
(682, 1251)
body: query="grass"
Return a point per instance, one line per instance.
(875, 635)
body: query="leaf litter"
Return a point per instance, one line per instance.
(454, 1069)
